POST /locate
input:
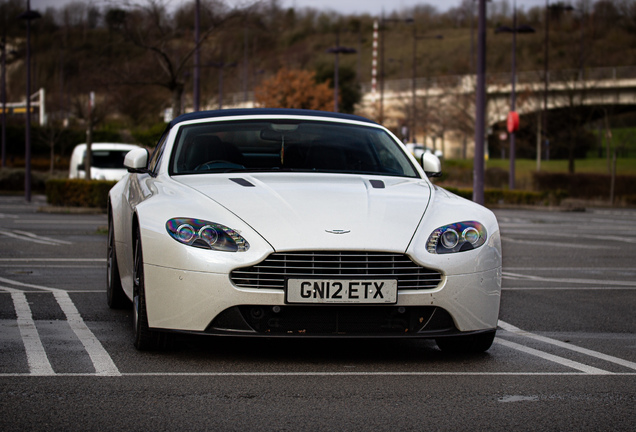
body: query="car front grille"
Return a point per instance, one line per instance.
(276, 268)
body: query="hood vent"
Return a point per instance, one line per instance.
(242, 182)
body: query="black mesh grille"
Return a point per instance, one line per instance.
(334, 321)
(273, 272)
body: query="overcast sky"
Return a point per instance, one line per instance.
(371, 7)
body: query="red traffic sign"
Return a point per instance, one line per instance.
(513, 121)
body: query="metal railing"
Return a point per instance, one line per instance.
(448, 81)
(527, 77)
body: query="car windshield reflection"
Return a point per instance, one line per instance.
(287, 146)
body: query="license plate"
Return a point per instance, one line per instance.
(367, 291)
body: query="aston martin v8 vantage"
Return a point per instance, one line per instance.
(295, 223)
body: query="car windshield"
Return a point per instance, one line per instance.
(108, 158)
(287, 145)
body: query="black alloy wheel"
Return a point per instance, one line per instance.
(144, 338)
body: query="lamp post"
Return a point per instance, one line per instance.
(382, 21)
(413, 82)
(337, 50)
(480, 107)
(197, 57)
(221, 66)
(29, 15)
(3, 95)
(546, 83)
(513, 117)
(546, 76)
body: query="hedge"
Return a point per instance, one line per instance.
(586, 186)
(514, 197)
(12, 179)
(78, 192)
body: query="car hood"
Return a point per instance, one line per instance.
(321, 211)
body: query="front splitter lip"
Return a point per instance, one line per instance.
(252, 334)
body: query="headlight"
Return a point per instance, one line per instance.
(458, 237)
(206, 235)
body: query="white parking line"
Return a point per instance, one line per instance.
(510, 328)
(99, 356)
(553, 358)
(554, 244)
(603, 282)
(562, 269)
(37, 359)
(23, 235)
(56, 221)
(39, 237)
(54, 262)
(102, 362)
(567, 288)
(39, 364)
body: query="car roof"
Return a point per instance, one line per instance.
(265, 112)
(108, 146)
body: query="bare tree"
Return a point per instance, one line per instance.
(166, 54)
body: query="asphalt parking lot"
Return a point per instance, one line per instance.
(564, 357)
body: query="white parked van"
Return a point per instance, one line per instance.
(108, 161)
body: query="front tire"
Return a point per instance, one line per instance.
(472, 344)
(115, 296)
(144, 338)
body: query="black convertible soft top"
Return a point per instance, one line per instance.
(264, 111)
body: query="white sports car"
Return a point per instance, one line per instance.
(294, 223)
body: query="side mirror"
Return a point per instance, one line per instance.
(431, 164)
(136, 160)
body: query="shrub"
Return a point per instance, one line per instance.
(586, 186)
(78, 192)
(495, 177)
(150, 136)
(12, 179)
(514, 197)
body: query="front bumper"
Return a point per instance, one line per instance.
(209, 303)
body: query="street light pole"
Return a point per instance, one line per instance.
(382, 22)
(381, 116)
(513, 117)
(3, 91)
(544, 120)
(336, 70)
(337, 50)
(197, 57)
(480, 107)
(29, 15)
(221, 66)
(412, 135)
(513, 97)
(413, 83)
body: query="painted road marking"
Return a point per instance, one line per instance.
(603, 282)
(37, 359)
(27, 236)
(510, 328)
(553, 358)
(102, 362)
(39, 364)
